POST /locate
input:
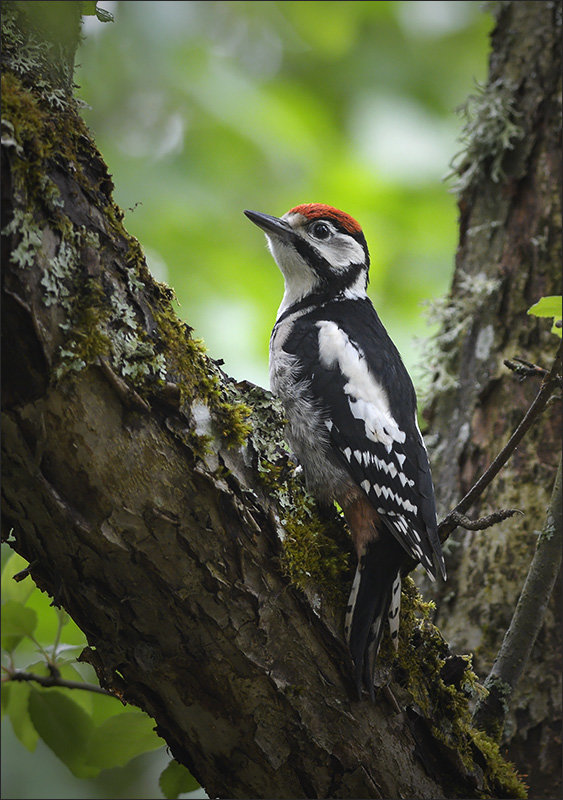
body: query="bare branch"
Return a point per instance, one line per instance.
(525, 369)
(526, 622)
(548, 386)
(54, 679)
(483, 522)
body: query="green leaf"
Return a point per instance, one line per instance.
(103, 15)
(5, 696)
(104, 707)
(48, 623)
(549, 306)
(64, 727)
(176, 780)
(89, 8)
(122, 737)
(17, 710)
(17, 622)
(15, 590)
(84, 699)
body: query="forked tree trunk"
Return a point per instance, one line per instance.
(147, 509)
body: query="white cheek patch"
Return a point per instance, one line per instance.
(367, 398)
(340, 251)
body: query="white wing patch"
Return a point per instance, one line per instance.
(367, 398)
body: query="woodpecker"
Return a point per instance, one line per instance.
(351, 411)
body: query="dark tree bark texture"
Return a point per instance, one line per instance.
(509, 256)
(158, 515)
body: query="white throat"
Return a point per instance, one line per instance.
(299, 279)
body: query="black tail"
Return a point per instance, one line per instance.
(369, 604)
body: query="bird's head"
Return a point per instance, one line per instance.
(318, 249)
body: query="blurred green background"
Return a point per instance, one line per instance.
(203, 109)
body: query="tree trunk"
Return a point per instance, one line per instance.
(509, 255)
(154, 501)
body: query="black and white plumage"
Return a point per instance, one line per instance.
(351, 410)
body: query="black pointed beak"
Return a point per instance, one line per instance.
(270, 225)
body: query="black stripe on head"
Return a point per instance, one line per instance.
(361, 239)
(337, 280)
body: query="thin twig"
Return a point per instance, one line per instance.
(549, 384)
(53, 680)
(525, 369)
(483, 522)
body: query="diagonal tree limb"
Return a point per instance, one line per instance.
(527, 620)
(548, 386)
(483, 523)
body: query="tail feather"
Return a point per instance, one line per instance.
(394, 609)
(375, 592)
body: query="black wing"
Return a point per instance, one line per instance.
(370, 411)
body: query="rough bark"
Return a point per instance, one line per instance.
(148, 510)
(515, 651)
(509, 255)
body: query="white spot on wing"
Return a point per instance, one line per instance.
(367, 399)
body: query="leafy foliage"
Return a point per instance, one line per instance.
(549, 306)
(88, 732)
(90, 8)
(176, 780)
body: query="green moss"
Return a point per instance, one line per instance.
(86, 340)
(315, 548)
(187, 362)
(314, 559)
(198, 378)
(419, 669)
(40, 47)
(232, 421)
(503, 777)
(39, 127)
(25, 116)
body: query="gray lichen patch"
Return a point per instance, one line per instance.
(456, 316)
(30, 237)
(490, 130)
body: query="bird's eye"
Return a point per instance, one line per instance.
(320, 230)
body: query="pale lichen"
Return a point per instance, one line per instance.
(455, 316)
(23, 225)
(490, 129)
